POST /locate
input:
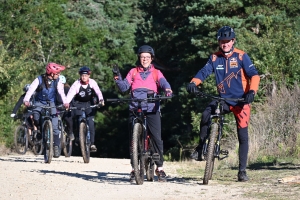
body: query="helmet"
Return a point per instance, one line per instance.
(146, 49)
(26, 87)
(225, 33)
(54, 68)
(62, 79)
(84, 70)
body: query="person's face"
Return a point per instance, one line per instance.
(54, 76)
(226, 45)
(145, 59)
(84, 77)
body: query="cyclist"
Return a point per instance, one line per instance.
(47, 86)
(236, 77)
(82, 91)
(141, 81)
(67, 115)
(29, 121)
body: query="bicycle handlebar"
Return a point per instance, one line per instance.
(199, 93)
(84, 108)
(157, 98)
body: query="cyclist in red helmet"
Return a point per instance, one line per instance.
(236, 77)
(47, 86)
(142, 80)
(82, 92)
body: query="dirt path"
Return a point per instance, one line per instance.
(28, 177)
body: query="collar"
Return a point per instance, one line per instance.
(142, 69)
(84, 83)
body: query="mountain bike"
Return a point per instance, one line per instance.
(25, 138)
(84, 132)
(21, 135)
(47, 131)
(65, 142)
(211, 147)
(143, 152)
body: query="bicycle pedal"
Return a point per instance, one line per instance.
(155, 157)
(224, 152)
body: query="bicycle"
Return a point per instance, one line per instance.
(65, 142)
(143, 151)
(24, 140)
(47, 131)
(21, 135)
(84, 132)
(211, 148)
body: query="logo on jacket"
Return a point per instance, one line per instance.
(219, 67)
(233, 62)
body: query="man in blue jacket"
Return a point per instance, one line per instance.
(236, 77)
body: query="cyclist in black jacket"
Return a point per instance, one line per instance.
(29, 121)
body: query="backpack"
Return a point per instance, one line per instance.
(154, 74)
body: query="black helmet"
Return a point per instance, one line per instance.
(225, 33)
(146, 49)
(84, 70)
(26, 87)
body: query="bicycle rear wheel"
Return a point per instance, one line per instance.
(149, 167)
(48, 141)
(137, 153)
(210, 158)
(84, 142)
(21, 139)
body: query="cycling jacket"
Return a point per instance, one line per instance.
(141, 83)
(235, 74)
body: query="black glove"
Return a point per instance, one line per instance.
(192, 88)
(116, 70)
(249, 97)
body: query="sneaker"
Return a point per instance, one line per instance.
(242, 176)
(161, 175)
(93, 148)
(56, 152)
(132, 177)
(71, 136)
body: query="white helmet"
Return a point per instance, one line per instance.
(62, 79)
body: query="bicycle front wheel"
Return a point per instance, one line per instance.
(68, 145)
(21, 139)
(137, 153)
(210, 158)
(84, 142)
(48, 141)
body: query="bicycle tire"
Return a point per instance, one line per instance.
(37, 147)
(48, 141)
(137, 153)
(61, 132)
(149, 167)
(21, 139)
(68, 145)
(84, 144)
(210, 159)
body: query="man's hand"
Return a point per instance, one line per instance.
(249, 97)
(192, 88)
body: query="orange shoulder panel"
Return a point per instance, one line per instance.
(240, 52)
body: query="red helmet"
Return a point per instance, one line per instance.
(54, 68)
